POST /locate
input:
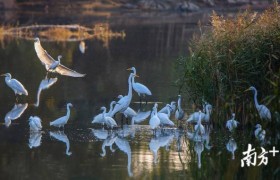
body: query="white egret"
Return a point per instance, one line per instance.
(59, 135)
(55, 64)
(141, 116)
(171, 107)
(109, 121)
(15, 113)
(154, 120)
(199, 128)
(232, 123)
(259, 132)
(35, 123)
(262, 109)
(129, 112)
(60, 122)
(204, 104)
(124, 146)
(204, 117)
(124, 102)
(138, 87)
(35, 139)
(231, 147)
(179, 114)
(15, 85)
(164, 118)
(99, 118)
(109, 141)
(82, 47)
(45, 84)
(47, 61)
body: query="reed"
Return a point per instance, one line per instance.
(233, 55)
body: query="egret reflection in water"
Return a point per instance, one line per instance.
(231, 147)
(199, 148)
(35, 139)
(60, 136)
(45, 84)
(109, 141)
(82, 47)
(163, 140)
(15, 113)
(124, 146)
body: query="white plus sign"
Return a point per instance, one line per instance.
(273, 151)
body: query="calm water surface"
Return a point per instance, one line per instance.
(83, 151)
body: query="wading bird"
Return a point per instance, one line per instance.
(232, 123)
(15, 85)
(129, 112)
(60, 122)
(164, 118)
(47, 60)
(259, 133)
(204, 117)
(124, 102)
(99, 118)
(141, 89)
(179, 114)
(35, 123)
(199, 128)
(109, 121)
(171, 107)
(262, 109)
(154, 120)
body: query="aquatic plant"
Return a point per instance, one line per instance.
(229, 57)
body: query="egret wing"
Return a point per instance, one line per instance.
(42, 54)
(67, 72)
(15, 84)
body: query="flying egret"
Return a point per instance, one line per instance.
(45, 84)
(109, 121)
(204, 117)
(55, 64)
(35, 139)
(262, 109)
(164, 118)
(231, 147)
(171, 107)
(60, 122)
(99, 118)
(15, 113)
(138, 87)
(259, 132)
(124, 102)
(199, 128)
(154, 120)
(232, 123)
(35, 123)
(59, 135)
(179, 114)
(15, 85)
(47, 60)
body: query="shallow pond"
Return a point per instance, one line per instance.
(82, 150)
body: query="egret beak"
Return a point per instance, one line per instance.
(136, 75)
(247, 90)
(128, 69)
(3, 75)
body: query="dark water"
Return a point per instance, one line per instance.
(136, 153)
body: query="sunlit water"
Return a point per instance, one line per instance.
(82, 150)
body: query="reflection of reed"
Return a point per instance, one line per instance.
(72, 32)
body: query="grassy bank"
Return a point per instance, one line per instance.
(233, 55)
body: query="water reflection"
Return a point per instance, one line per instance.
(162, 139)
(44, 84)
(124, 146)
(198, 148)
(231, 147)
(60, 136)
(15, 113)
(35, 139)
